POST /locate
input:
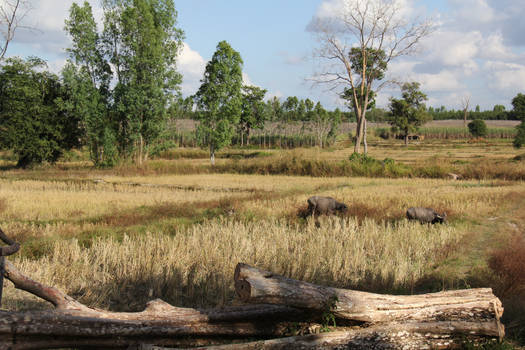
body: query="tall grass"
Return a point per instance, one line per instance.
(194, 266)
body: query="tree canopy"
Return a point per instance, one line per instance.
(219, 99)
(131, 66)
(409, 112)
(32, 122)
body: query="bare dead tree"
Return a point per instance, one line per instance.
(371, 26)
(465, 103)
(12, 13)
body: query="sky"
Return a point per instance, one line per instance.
(477, 47)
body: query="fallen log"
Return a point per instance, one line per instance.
(409, 335)
(73, 323)
(437, 320)
(476, 307)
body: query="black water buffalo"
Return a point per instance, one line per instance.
(324, 205)
(426, 215)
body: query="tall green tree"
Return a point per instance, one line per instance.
(254, 112)
(143, 42)
(518, 111)
(290, 106)
(32, 123)
(275, 109)
(87, 78)
(219, 99)
(409, 112)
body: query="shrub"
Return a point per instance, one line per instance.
(508, 263)
(478, 128)
(519, 140)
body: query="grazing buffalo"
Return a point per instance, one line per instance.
(324, 205)
(426, 215)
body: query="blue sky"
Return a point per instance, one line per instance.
(477, 48)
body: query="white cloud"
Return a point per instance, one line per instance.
(192, 66)
(506, 76)
(452, 48)
(474, 11)
(47, 20)
(495, 49)
(272, 94)
(246, 80)
(442, 81)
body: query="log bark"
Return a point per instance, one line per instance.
(435, 320)
(75, 324)
(178, 326)
(470, 305)
(409, 335)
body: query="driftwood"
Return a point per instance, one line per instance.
(477, 307)
(277, 305)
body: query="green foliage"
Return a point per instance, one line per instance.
(373, 62)
(409, 113)
(32, 124)
(478, 128)
(148, 44)
(254, 112)
(86, 80)
(328, 317)
(519, 140)
(518, 106)
(219, 99)
(275, 109)
(141, 41)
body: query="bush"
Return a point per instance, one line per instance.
(478, 128)
(519, 140)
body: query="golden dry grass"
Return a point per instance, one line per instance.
(195, 265)
(66, 228)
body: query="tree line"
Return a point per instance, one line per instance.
(120, 89)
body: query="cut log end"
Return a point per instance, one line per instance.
(243, 290)
(158, 305)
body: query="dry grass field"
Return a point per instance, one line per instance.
(117, 238)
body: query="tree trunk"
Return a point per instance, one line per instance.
(470, 305)
(437, 320)
(212, 155)
(75, 324)
(357, 146)
(159, 323)
(406, 139)
(365, 144)
(417, 335)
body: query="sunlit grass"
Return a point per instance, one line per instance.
(195, 266)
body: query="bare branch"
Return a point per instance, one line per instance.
(12, 13)
(371, 26)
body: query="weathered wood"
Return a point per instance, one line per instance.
(160, 323)
(408, 335)
(471, 305)
(12, 247)
(49, 329)
(431, 320)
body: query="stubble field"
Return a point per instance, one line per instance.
(119, 238)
